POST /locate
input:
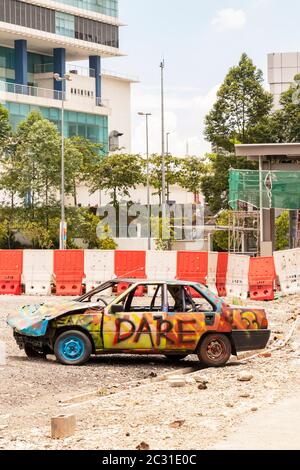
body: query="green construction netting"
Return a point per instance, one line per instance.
(280, 189)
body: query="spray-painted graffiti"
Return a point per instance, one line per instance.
(245, 319)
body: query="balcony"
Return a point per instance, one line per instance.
(31, 91)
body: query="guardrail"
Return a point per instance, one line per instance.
(47, 93)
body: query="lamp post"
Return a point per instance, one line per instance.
(168, 186)
(63, 228)
(163, 165)
(146, 115)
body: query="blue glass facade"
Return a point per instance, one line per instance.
(8, 64)
(90, 126)
(106, 7)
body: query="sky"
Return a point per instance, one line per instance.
(199, 41)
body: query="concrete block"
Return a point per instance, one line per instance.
(63, 426)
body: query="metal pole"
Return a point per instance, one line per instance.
(62, 222)
(261, 199)
(168, 185)
(148, 183)
(163, 167)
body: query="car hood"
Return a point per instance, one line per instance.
(32, 320)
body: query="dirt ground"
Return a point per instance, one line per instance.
(130, 404)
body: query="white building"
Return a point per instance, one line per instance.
(282, 68)
(39, 38)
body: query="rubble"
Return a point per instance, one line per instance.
(245, 377)
(141, 408)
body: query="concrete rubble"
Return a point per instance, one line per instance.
(134, 406)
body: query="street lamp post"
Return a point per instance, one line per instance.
(146, 115)
(168, 185)
(62, 230)
(163, 165)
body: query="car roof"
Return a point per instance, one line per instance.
(156, 281)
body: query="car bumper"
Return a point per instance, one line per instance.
(250, 340)
(21, 340)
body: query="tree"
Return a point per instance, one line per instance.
(117, 174)
(172, 172)
(5, 128)
(191, 175)
(282, 225)
(38, 160)
(242, 104)
(215, 183)
(81, 159)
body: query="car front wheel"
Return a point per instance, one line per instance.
(215, 350)
(73, 348)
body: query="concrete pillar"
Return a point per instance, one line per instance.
(95, 64)
(21, 62)
(59, 66)
(269, 226)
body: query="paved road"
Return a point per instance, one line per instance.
(276, 428)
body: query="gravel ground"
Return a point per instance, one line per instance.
(131, 405)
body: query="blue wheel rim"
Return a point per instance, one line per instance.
(71, 348)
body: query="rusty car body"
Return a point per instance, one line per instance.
(179, 318)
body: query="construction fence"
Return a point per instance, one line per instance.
(71, 272)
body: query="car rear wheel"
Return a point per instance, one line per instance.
(32, 353)
(73, 348)
(176, 357)
(215, 350)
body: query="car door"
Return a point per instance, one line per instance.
(189, 318)
(134, 327)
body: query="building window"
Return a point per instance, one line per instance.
(64, 24)
(106, 7)
(44, 19)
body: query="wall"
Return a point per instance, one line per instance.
(118, 92)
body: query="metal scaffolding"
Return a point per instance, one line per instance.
(244, 232)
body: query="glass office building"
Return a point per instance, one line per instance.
(38, 40)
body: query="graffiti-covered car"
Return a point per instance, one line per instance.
(175, 319)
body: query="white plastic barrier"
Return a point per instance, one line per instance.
(37, 271)
(99, 266)
(160, 265)
(287, 264)
(237, 284)
(212, 271)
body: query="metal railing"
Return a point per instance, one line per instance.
(70, 68)
(7, 87)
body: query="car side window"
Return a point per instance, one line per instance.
(134, 302)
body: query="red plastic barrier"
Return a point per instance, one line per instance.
(124, 285)
(262, 277)
(222, 274)
(69, 271)
(130, 264)
(192, 266)
(11, 267)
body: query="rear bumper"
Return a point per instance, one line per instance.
(250, 340)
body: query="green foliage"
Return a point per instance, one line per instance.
(38, 236)
(220, 239)
(5, 128)
(192, 171)
(172, 171)
(242, 105)
(117, 174)
(282, 225)
(215, 183)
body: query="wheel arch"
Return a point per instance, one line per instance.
(229, 336)
(63, 329)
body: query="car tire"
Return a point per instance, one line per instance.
(32, 353)
(176, 357)
(72, 348)
(215, 350)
